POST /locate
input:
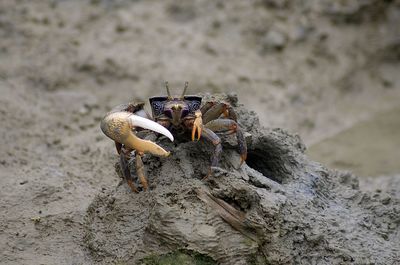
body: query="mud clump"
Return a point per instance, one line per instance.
(279, 208)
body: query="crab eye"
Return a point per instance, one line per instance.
(185, 112)
(168, 113)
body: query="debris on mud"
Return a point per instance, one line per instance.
(279, 208)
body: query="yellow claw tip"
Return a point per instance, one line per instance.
(193, 133)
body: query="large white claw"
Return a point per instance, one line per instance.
(137, 121)
(120, 125)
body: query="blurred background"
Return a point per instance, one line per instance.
(324, 69)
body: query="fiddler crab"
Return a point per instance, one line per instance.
(171, 116)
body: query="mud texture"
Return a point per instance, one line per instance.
(290, 210)
(368, 149)
(313, 67)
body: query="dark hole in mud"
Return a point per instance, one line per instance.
(266, 164)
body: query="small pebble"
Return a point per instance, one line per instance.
(274, 40)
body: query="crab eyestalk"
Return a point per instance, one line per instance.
(168, 91)
(184, 89)
(119, 127)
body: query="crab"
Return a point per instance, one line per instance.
(171, 116)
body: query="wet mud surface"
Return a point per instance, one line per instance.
(369, 148)
(314, 68)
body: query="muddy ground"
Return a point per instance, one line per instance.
(316, 68)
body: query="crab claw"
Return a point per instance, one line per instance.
(197, 125)
(119, 127)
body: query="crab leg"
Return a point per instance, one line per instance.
(140, 170)
(216, 141)
(214, 111)
(225, 126)
(228, 126)
(124, 156)
(207, 106)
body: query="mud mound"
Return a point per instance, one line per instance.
(280, 208)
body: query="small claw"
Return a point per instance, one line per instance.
(118, 126)
(197, 125)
